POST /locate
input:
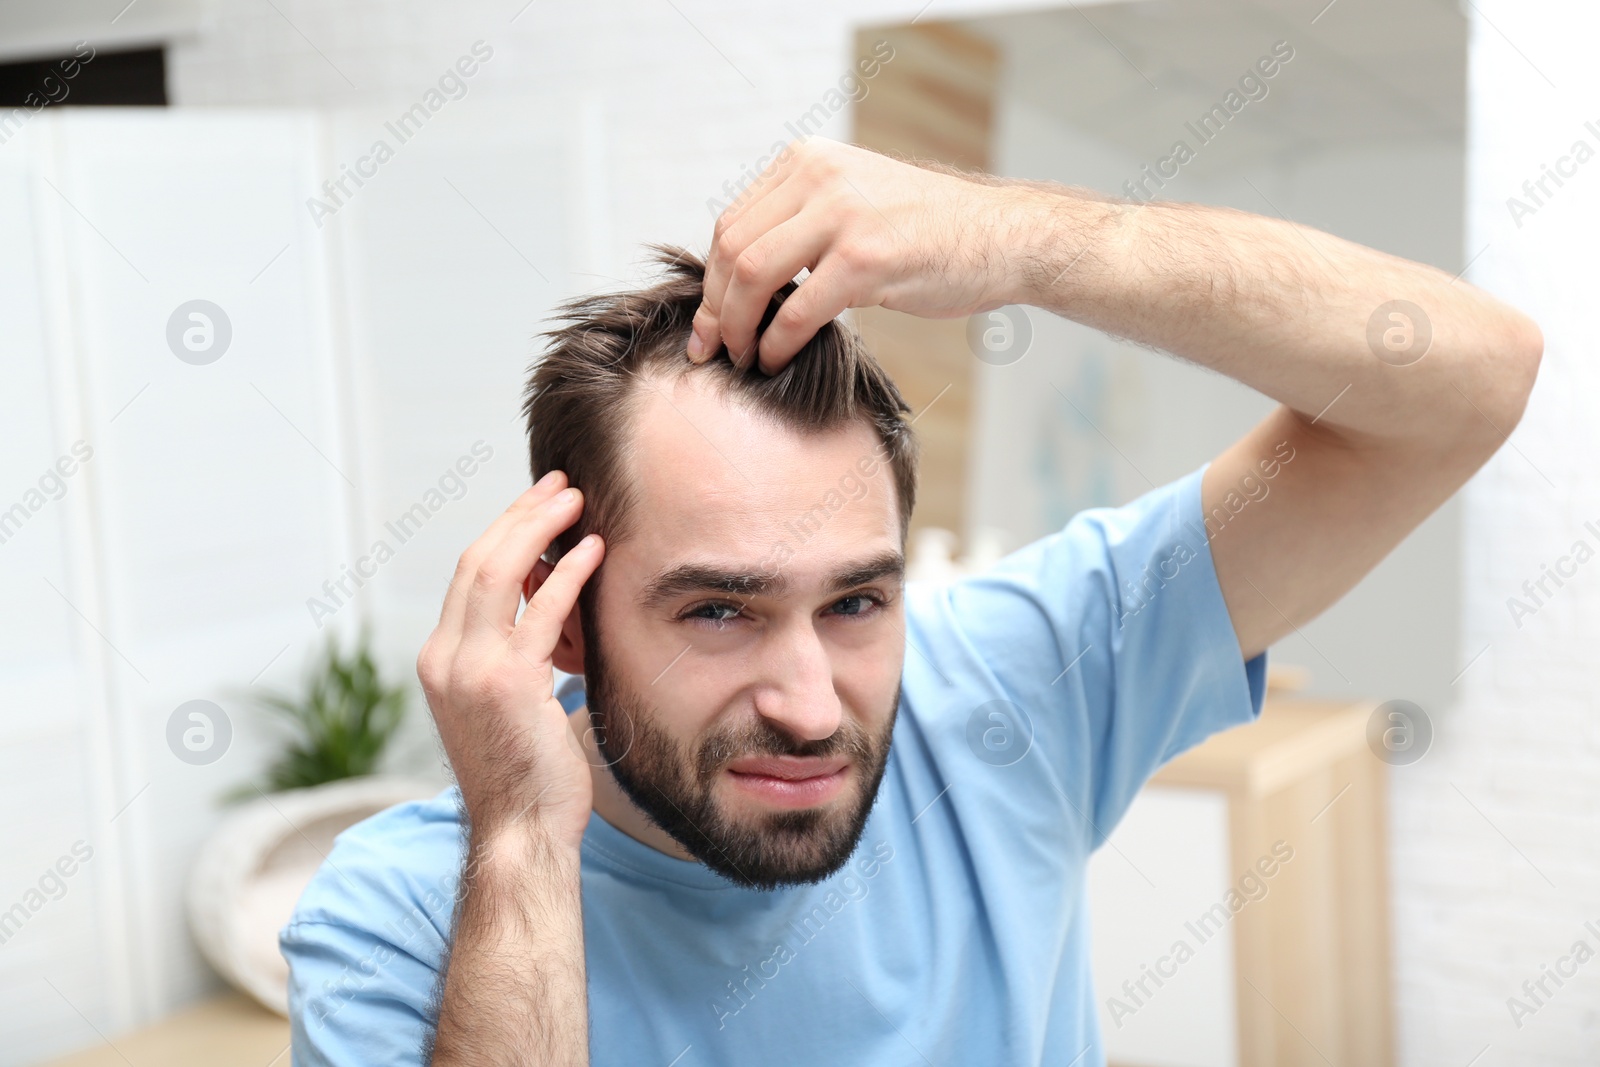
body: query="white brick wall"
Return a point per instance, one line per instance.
(1474, 915)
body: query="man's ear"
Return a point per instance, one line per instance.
(568, 654)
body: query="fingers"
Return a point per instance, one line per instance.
(541, 571)
(825, 295)
(455, 597)
(495, 589)
(539, 628)
(761, 270)
(734, 236)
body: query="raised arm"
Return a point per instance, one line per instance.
(513, 990)
(1397, 382)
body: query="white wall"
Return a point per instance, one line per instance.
(1501, 867)
(55, 685)
(157, 578)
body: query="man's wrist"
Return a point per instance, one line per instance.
(1060, 243)
(509, 855)
(494, 816)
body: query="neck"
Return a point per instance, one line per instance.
(611, 803)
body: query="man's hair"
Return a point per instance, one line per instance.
(584, 391)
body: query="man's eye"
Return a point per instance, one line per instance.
(714, 614)
(860, 605)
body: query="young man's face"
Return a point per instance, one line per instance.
(753, 635)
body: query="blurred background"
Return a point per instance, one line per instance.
(273, 273)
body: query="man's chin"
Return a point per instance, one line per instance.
(777, 868)
(764, 847)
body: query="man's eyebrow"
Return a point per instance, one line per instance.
(702, 577)
(705, 578)
(890, 564)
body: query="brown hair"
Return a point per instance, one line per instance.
(583, 391)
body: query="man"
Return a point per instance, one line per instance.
(800, 811)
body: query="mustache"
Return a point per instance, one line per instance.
(761, 738)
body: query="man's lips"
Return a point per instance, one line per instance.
(789, 768)
(790, 781)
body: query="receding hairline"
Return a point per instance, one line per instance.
(720, 388)
(585, 391)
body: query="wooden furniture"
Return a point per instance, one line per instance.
(230, 1029)
(1310, 959)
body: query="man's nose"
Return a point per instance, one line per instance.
(799, 696)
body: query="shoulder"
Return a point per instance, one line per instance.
(392, 875)
(369, 936)
(1099, 650)
(1072, 591)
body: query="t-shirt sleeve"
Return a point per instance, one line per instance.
(354, 997)
(368, 938)
(1112, 647)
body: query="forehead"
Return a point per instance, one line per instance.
(716, 481)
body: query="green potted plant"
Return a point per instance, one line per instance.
(341, 723)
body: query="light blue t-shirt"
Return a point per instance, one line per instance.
(1037, 699)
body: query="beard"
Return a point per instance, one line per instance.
(673, 784)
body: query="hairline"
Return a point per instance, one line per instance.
(723, 389)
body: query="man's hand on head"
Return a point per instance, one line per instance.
(513, 988)
(871, 230)
(489, 675)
